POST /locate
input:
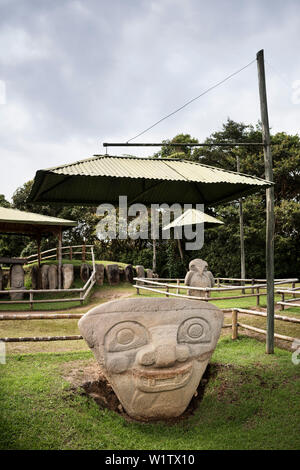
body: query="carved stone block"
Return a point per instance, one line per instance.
(198, 276)
(153, 351)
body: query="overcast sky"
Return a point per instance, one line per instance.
(74, 74)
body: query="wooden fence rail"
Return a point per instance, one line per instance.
(67, 251)
(63, 316)
(24, 339)
(236, 323)
(48, 316)
(288, 302)
(156, 286)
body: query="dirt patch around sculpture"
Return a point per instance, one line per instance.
(88, 379)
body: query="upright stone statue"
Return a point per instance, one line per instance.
(44, 276)
(53, 276)
(121, 274)
(153, 351)
(5, 279)
(84, 272)
(129, 274)
(68, 275)
(99, 274)
(35, 277)
(149, 273)
(198, 276)
(140, 271)
(113, 275)
(16, 281)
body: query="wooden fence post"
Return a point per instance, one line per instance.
(253, 282)
(234, 324)
(71, 252)
(59, 254)
(137, 289)
(83, 252)
(282, 300)
(257, 297)
(293, 287)
(30, 300)
(167, 290)
(178, 284)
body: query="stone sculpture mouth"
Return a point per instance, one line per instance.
(163, 380)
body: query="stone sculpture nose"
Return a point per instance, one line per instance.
(165, 355)
(162, 355)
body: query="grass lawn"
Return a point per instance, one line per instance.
(251, 401)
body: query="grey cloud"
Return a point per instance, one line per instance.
(78, 72)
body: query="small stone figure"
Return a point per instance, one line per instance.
(198, 276)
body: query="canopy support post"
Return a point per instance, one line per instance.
(242, 243)
(269, 202)
(59, 257)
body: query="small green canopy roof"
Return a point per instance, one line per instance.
(104, 178)
(16, 221)
(193, 216)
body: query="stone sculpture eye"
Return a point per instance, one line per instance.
(194, 330)
(126, 335)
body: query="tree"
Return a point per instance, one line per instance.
(221, 248)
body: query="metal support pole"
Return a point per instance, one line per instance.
(269, 202)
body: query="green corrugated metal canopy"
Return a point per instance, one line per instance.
(104, 178)
(16, 221)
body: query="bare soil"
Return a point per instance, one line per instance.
(88, 379)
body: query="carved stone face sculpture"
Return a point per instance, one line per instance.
(154, 351)
(198, 276)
